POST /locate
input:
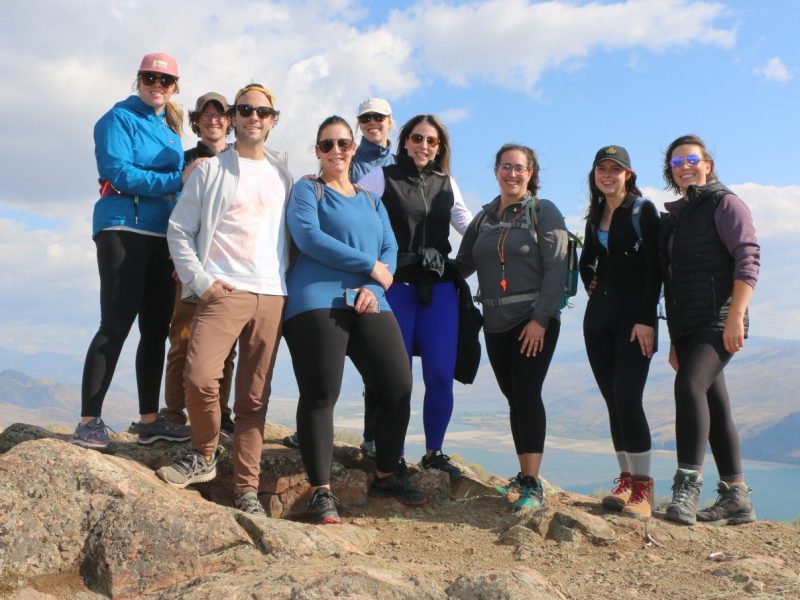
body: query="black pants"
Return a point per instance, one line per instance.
(135, 280)
(702, 406)
(521, 379)
(318, 341)
(619, 368)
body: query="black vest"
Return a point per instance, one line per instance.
(419, 205)
(699, 276)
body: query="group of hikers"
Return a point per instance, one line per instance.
(221, 251)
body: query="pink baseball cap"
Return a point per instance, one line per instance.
(159, 62)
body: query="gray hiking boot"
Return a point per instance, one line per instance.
(192, 468)
(93, 434)
(686, 488)
(247, 502)
(733, 506)
(162, 429)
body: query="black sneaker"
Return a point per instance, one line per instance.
(323, 507)
(686, 488)
(393, 486)
(162, 429)
(292, 441)
(227, 425)
(733, 506)
(442, 462)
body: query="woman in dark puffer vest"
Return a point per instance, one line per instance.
(710, 263)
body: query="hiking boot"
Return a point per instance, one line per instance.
(686, 488)
(192, 468)
(368, 446)
(442, 462)
(733, 506)
(402, 468)
(247, 502)
(227, 425)
(162, 429)
(531, 494)
(642, 497)
(394, 486)
(323, 507)
(619, 496)
(292, 441)
(93, 434)
(513, 486)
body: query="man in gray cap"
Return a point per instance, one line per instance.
(212, 124)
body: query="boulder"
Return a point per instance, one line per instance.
(520, 584)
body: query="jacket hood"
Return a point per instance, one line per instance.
(135, 104)
(370, 150)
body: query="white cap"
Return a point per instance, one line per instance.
(374, 105)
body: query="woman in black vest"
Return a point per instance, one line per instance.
(710, 264)
(620, 270)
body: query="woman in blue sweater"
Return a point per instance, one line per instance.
(336, 308)
(140, 166)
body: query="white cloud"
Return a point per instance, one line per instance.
(774, 70)
(454, 115)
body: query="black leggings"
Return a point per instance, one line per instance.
(702, 406)
(318, 341)
(521, 379)
(619, 368)
(135, 280)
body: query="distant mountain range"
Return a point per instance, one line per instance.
(762, 381)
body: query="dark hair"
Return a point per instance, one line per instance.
(533, 163)
(336, 120)
(441, 162)
(596, 197)
(684, 140)
(194, 117)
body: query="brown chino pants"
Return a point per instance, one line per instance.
(255, 320)
(180, 330)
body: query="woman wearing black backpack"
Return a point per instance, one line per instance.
(620, 269)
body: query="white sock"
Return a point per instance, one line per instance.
(640, 463)
(622, 459)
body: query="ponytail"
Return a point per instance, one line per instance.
(174, 117)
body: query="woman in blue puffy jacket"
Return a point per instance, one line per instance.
(140, 166)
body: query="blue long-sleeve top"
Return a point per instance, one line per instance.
(142, 158)
(339, 238)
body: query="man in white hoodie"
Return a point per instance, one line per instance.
(227, 238)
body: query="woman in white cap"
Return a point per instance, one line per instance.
(620, 269)
(375, 149)
(140, 166)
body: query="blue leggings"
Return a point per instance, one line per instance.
(432, 332)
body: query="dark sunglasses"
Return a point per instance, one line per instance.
(364, 119)
(149, 78)
(326, 146)
(691, 159)
(418, 139)
(263, 112)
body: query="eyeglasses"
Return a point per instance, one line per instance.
(149, 79)
(417, 138)
(691, 159)
(364, 119)
(508, 167)
(213, 116)
(263, 112)
(326, 146)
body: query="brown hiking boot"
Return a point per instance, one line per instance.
(618, 497)
(640, 503)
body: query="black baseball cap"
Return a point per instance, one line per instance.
(616, 153)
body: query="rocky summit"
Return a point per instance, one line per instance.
(76, 523)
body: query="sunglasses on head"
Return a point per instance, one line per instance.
(417, 138)
(691, 159)
(364, 119)
(263, 112)
(149, 78)
(327, 145)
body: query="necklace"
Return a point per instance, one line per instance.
(505, 229)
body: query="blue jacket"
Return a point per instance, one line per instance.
(142, 158)
(370, 156)
(339, 238)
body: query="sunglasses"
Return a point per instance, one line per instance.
(364, 119)
(263, 112)
(691, 159)
(149, 79)
(417, 138)
(326, 146)
(508, 167)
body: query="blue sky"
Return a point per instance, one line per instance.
(563, 77)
